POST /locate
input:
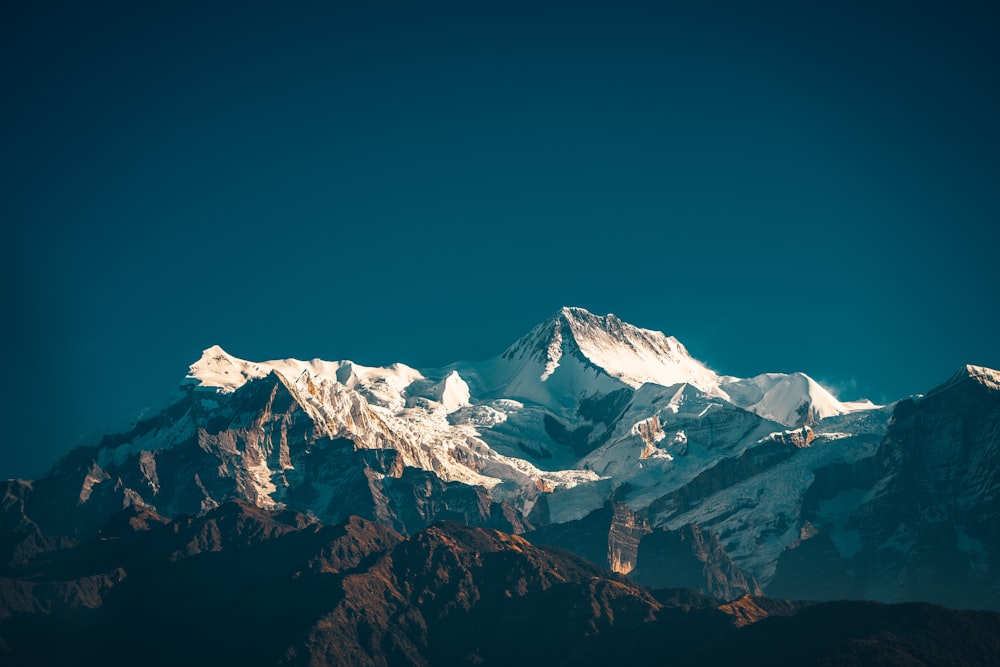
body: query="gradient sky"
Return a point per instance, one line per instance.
(783, 186)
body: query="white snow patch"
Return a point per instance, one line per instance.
(985, 376)
(218, 369)
(553, 353)
(452, 392)
(790, 399)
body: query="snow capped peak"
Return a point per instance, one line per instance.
(214, 350)
(625, 353)
(589, 328)
(452, 392)
(220, 370)
(793, 399)
(984, 376)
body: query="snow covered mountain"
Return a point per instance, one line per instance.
(582, 411)
(575, 354)
(920, 520)
(792, 399)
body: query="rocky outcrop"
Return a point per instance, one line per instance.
(264, 444)
(608, 537)
(620, 539)
(624, 536)
(587, 537)
(690, 557)
(418, 498)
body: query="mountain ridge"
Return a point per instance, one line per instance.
(760, 472)
(609, 354)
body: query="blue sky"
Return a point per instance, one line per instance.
(781, 186)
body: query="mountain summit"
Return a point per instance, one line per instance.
(631, 354)
(576, 353)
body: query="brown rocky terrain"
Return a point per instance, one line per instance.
(242, 585)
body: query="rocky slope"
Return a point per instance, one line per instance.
(921, 520)
(617, 538)
(242, 585)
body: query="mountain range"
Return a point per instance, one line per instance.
(588, 435)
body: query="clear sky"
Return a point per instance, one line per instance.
(783, 186)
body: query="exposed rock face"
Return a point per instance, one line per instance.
(920, 522)
(624, 535)
(588, 537)
(617, 538)
(418, 498)
(932, 522)
(21, 539)
(608, 537)
(257, 444)
(802, 437)
(690, 558)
